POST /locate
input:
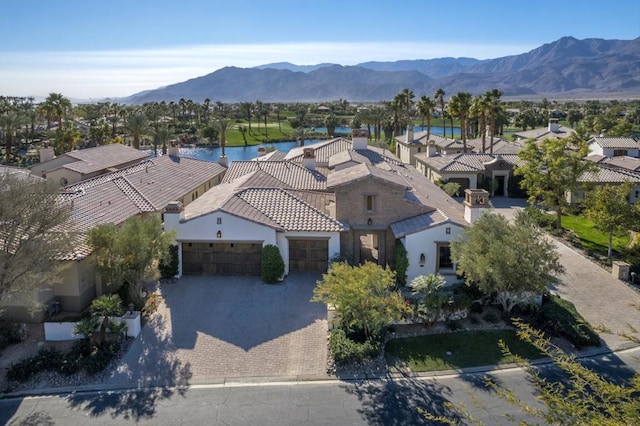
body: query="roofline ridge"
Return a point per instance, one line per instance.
(138, 192)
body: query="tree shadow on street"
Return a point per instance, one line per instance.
(403, 402)
(150, 369)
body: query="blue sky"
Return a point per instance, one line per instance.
(88, 49)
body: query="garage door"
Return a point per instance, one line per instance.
(464, 183)
(308, 255)
(222, 258)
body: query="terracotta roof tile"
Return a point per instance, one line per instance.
(290, 175)
(616, 142)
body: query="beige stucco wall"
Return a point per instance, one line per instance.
(39, 168)
(71, 176)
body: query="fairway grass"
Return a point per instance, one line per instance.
(467, 349)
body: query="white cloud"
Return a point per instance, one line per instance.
(96, 74)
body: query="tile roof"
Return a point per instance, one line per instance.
(616, 142)
(627, 163)
(324, 150)
(147, 187)
(274, 155)
(420, 138)
(417, 223)
(346, 157)
(274, 207)
(500, 146)
(283, 174)
(362, 171)
(544, 132)
(470, 163)
(104, 157)
(291, 213)
(20, 172)
(608, 175)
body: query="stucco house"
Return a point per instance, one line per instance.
(553, 130)
(335, 199)
(471, 171)
(144, 188)
(614, 146)
(410, 144)
(76, 166)
(604, 175)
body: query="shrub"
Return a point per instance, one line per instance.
(347, 351)
(559, 317)
(10, 333)
(272, 264)
(151, 304)
(540, 218)
(401, 262)
(453, 325)
(45, 359)
(168, 266)
(491, 317)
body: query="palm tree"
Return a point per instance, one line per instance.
(495, 106)
(105, 307)
(439, 97)
(246, 109)
(479, 109)
(58, 105)
(162, 135)
(331, 122)
(10, 122)
(425, 108)
(460, 104)
(222, 125)
(137, 125)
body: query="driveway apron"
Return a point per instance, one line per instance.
(215, 328)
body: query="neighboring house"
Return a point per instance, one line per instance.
(604, 175)
(553, 130)
(112, 198)
(500, 146)
(334, 199)
(626, 163)
(614, 146)
(471, 170)
(410, 144)
(76, 166)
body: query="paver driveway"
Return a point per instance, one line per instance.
(599, 297)
(216, 328)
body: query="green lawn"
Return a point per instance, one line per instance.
(591, 238)
(468, 349)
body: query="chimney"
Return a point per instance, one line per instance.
(223, 161)
(309, 158)
(262, 151)
(359, 138)
(409, 135)
(554, 126)
(46, 153)
(431, 149)
(173, 213)
(476, 201)
(174, 150)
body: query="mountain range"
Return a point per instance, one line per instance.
(565, 68)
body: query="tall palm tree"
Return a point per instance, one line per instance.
(495, 106)
(439, 98)
(425, 108)
(58, 105)
(161, 136)
(222, 125)
(460, 105)
(331, 122)
(137, 125)
(479, 108)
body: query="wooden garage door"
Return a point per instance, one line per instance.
(309, 255)
(222, 258)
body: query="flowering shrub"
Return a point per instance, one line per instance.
(151, 304)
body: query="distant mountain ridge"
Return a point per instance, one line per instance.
(567, 67)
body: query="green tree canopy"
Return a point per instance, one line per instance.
(609, 208)
(127, 254)
(509, 259)
(364, 296)
(551, 169)
(34, 228)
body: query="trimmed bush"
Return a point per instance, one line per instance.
(559, 317)
(272, 264)
(347, 351)
(540, 218)
(401, 262)
(168, 267)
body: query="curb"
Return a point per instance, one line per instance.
(303, 379)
